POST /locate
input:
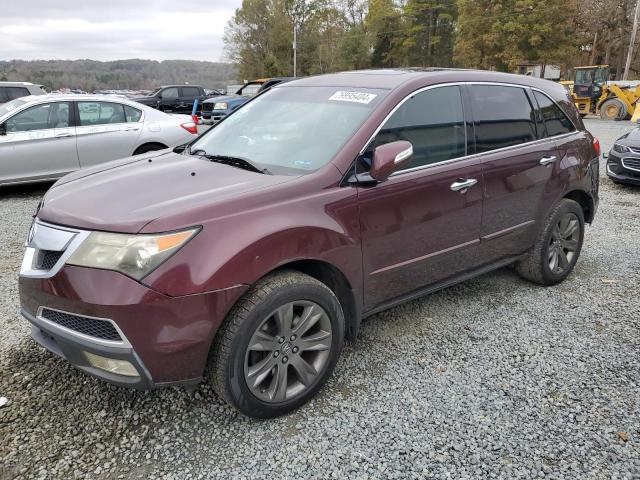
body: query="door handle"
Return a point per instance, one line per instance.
(547, 159)
(463, 185)
(132, 129)
(63, 135)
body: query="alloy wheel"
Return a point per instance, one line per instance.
(288, 351)
(563, 245)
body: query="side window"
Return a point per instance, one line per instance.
(555, 121)
(503, 115)
(433, 121)
(132, 114)
(190, 92)
(40, 117)
(100, 113)
(170, 93)
(16, 92)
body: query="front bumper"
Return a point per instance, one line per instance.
(166, 339)
(213, 116)
(619, 170)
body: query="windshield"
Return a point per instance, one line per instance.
(591, 76)
(292, 130)
(11, 106)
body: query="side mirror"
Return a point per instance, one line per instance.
(180, 148)
(390, 157)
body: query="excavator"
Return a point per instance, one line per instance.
(593, 93)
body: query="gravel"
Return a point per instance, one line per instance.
(492, 378)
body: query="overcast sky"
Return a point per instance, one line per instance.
(114, 29)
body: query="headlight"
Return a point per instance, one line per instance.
(220, 106)
(620, 148)
(133, 255)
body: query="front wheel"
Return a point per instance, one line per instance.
(278, 345)
(556, 250)
(613, 109)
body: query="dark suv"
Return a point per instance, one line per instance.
(249, 256)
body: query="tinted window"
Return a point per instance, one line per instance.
(170, 92)
(132, 114)
(503, 115)
(100, 113)
(434, 124)
(16, 92)
(190, 92)
(40, 117)
(555, 121)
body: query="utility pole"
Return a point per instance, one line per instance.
(632, 41)
(295, 48)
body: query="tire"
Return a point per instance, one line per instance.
(613, 109)
(148, 147)
(537, 265)
(250, 341)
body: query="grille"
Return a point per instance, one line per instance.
(631, 163)
(47, 259)
(634, 150)
(207, 107)
(92, 327)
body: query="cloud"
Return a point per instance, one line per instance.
(150, 29)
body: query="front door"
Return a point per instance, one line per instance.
(170, 99)
(422, 225)
(40, 143)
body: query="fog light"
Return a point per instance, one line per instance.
(613, 167)
(120, 367)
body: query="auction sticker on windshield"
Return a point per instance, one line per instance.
(358, 97)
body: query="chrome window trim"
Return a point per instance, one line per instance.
(124, 343)
(466, 157)
(27, 270)
(628, 167)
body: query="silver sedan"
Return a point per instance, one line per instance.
(47, 136)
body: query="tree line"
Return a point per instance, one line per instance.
(91, 75)
(334, 35)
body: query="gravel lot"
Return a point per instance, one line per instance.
(493, 378)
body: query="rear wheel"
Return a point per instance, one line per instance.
(149, 147)
(613, 109)
(278, 345)
(557, 247)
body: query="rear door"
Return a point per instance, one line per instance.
(187, 97)
(517, 166)
(40, 143)
(418, 227)
(104, 133)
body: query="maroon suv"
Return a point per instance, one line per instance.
(247, 257)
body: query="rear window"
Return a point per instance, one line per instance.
(555, 121)
(504, 117)
(16, 92)
(190, 92)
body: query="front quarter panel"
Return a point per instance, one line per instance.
(240, 248)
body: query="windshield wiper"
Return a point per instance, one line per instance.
(238, 162)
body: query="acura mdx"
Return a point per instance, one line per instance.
(247, 257)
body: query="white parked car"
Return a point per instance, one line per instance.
(47, 136)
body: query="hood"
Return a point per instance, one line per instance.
(631, 139)
(224, 98)
(125, 195)
(147, 100)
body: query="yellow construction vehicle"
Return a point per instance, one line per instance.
(592, 94)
